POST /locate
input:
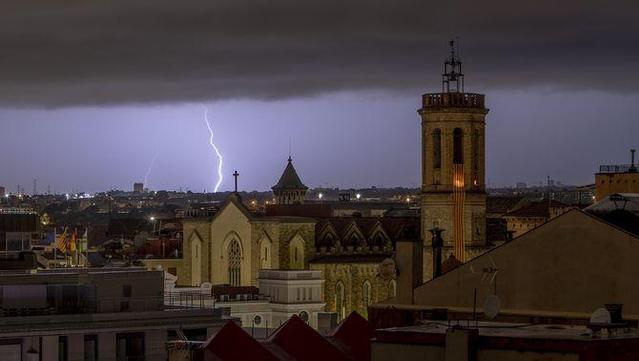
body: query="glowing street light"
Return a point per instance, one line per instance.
(358, 196)
(320, 196)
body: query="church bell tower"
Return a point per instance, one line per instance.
(453, 163)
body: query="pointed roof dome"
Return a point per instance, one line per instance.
(289, 179)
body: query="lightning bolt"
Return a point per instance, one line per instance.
(148, 171)
(217, 152)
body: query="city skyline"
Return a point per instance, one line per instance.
(92, 108)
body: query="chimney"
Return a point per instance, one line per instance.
(409, 260)
(632, 161)
(438, 244)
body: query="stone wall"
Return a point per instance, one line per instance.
(353, 276)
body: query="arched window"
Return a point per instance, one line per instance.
(366, 297)
(437, 148)
(339, 301)
(458, 146)
(296, 253)
(235, 263)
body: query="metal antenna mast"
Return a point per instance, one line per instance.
(453, 77)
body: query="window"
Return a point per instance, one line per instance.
(339, 301)
(458, 146)
(366, 296)
(63, 348)
(391, 288)
(235, 263)
(257, 320)
(304, 316)
(90, 347)
(437, 149)
(129, 346)
(298, 294)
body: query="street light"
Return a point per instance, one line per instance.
(358, 196)
(320, 196)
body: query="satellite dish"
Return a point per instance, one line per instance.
(491, 306)
(600, 316)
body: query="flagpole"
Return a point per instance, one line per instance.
(55, 246)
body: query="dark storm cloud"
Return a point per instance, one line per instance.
(65, 53)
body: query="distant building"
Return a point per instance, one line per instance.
(281, 294)
(619, 178)
(289, 189)
(18, 230)
(91, 314)
(138, 187)
(533, 214)
(521, 185)
(2, 191)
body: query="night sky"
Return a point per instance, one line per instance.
(94, 92)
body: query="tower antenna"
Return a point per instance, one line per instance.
(453, 77)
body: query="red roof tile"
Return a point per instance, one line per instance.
(233, 343)
(300, 341)
(355, 333)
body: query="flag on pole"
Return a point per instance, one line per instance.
(62, 243)
(84, 240)
(74, 239)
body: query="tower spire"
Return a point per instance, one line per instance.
(453, 77)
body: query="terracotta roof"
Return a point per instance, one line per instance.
(302, 342)
(538, 209)
(502, 204)
(233, 343)
(300, 210)
(289, 179)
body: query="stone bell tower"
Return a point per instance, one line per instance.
(453, 165)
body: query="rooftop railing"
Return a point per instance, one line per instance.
(459, 100)
(617, 168)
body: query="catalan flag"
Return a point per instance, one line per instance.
(62, 243)
(74, 240)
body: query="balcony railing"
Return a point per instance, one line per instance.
(617, 168)
(458, 100)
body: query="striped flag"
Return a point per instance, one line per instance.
(62, 243)
(74, 239)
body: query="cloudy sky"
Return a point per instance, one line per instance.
(98, 94)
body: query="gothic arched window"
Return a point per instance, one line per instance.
(235, 263)
(437, 148)
(366, 296)
(458, 146)
(339, 301)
